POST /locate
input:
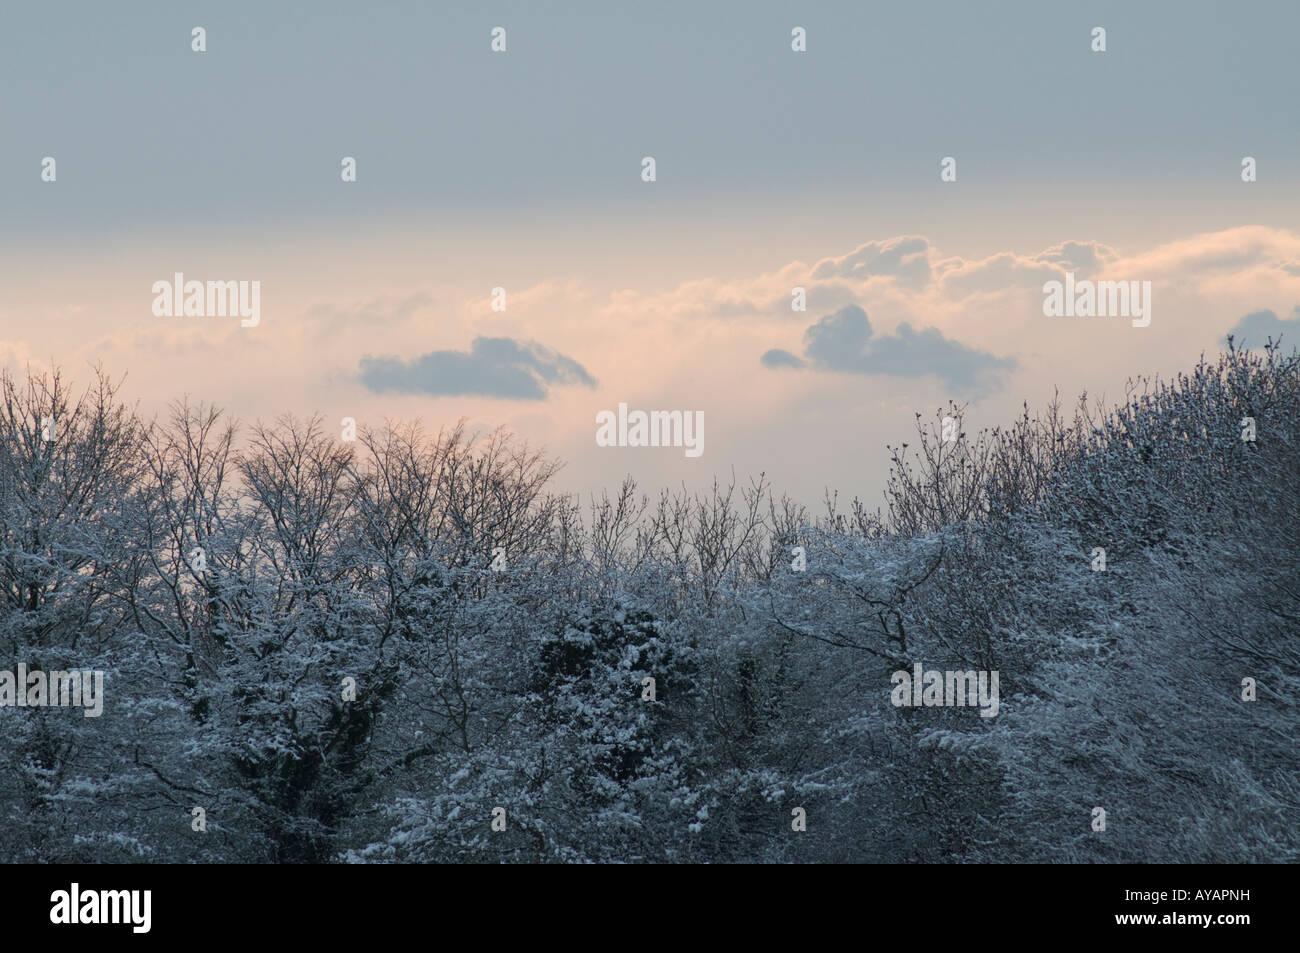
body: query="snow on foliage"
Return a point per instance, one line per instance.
(349, 673)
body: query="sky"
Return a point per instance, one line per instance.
(523, 170)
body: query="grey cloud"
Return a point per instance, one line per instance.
(845, 342)
(1256, 328)
(777, 357)
(493, 367)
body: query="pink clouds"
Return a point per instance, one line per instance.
(690, 341)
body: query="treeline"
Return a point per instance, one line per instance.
(320, 650)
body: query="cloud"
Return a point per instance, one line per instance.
(1211, 254)
(493, 367)
(1083, 258)
(1256, 328)
(914, 263)
(999, 272)
(843, 342)
(780, 358)
(906, 258)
